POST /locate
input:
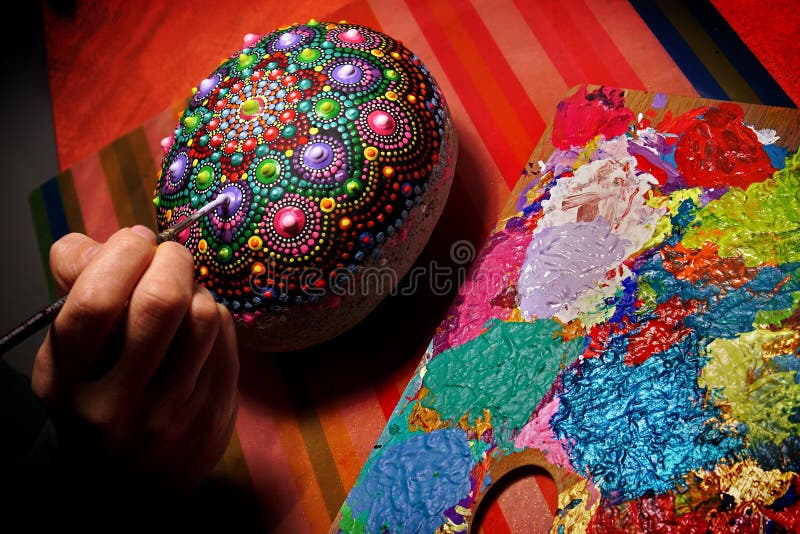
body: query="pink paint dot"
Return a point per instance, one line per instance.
(352, 36)
(289, 221)
(381, 122)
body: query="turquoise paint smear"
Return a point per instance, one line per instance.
(638, 428)
(506, 370)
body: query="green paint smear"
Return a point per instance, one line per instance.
(776, 317)
(506, 370)
(759, 397)
(350, 524)
(762, 224)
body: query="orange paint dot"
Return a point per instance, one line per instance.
(202, 246)
(203, 271)
(371, 153)
(258, 268)
(327, 205)
(345, 223)
(255, 243)
(388, 171)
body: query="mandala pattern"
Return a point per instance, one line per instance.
(325, 136)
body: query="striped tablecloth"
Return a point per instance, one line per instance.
(308, 421)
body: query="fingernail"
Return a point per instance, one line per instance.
(145, 232)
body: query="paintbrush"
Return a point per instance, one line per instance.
(47, 314)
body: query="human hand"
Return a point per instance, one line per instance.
(140, 367)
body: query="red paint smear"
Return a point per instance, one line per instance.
(647, 166)
(657, 514)
(655, 335)
(705, 267)
(718, 149)
(581, 117)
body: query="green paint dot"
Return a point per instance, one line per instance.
(289, 131)
(203, 140)
(190, 122)
(237, 159)
(157, 201)
(262, 150)
(267, 171)
(327, 108)
(246, 60)
(391, 74)
(225, 253)
(251, 106)
(304, 106)
(215, 156)
(292, 68)
(304, 84)
(223, 91)
(204, 177)
(308, 55)
(271, 65)
(352, 186)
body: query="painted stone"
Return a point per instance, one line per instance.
(337, 149)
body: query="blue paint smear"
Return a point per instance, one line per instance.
(777, 155)
(413, 482)
(639, 428)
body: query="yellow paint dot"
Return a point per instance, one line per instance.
(391, 95)
(289, 153)
(168, 215)
(255, 243)
(189, 142)
(376, 52)
(412, 99)
(313, 131)
(202, 246)
(327, 205)
(395, 55)
(318, 68)
(371, 153)
(326, 88)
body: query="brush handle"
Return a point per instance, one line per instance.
(46, 315)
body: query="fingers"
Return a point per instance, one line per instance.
(68, 257)
(156, 309)
(95, 305)
(177, 377)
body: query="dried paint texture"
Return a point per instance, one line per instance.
(762, 223)
(583, 116)
(507, 371)
(411, 485)
(751, 389)
(639, 428)
(538, 434)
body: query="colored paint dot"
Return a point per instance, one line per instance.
(255, 243)
(304, 84)
(391, 74)
(191, 121)
(352, 36)
(345, 223)
(308, 55)
(371, 153)
(251, 107)
(157, 201)
(203, 271)
(225, 253)
(388, 171)
(276, 193)
(202, 246)
(352, 187)
(289, 221)
(288, 131)
(327, 205)
(205, 177)
(258, 268)
(391, 95)
(237, 159)
(245, 61)
(267, 171)
(381, 122)
(351, 113)
(304, 106)
(327, 108)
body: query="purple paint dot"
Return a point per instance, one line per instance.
(232, 206)
(347, 73)
(207, 85)
(177, 168)
(318, 156)
(287, 40)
